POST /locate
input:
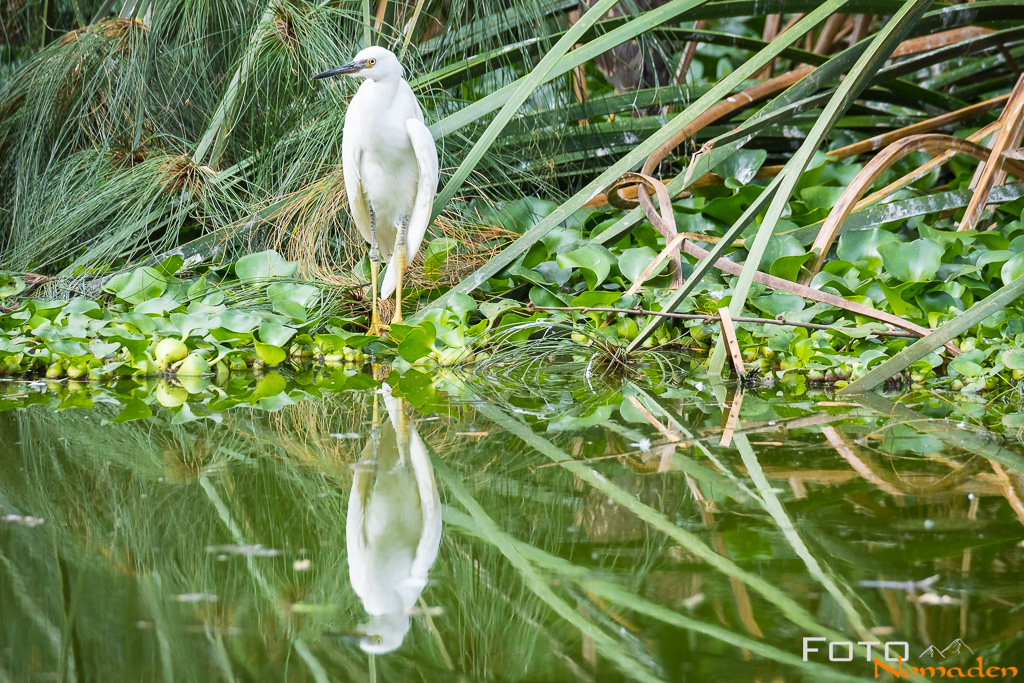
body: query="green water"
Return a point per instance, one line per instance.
(561, 529)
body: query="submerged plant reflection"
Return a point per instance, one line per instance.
(595, 531)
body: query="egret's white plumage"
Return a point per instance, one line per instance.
(390, 163)
(393, 529)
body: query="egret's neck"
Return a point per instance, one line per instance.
(383, 91)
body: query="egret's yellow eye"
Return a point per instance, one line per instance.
(371, 62)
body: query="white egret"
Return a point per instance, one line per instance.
(390, 164)
(393, 529)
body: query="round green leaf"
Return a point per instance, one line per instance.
(966, 368)
(419, 343)
(862, 245)
(270, 354)
(1012, 269)
(277, 335)
(1012, 359)
(263, 265)
(633, 262)
(10, 285)
(916, 261)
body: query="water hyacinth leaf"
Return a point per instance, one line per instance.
(277, 335)
(292, 299)
(435, 255)
(235, 321)
(518, 215)
(76, 400)
(264, 265)
(788, 267)
(937, 302)
(553, 274)
(916, 261)
(965, 367)
(170, 265)
(595, 261)
(270, 384)
(198, 323)
(492, 309)
(418, 343)
(724, 209)
(1013, 421)
(270, 354)
(821, 197)
(103, 349)
(134, 409)
(139, 285)
(633, 262)
(68, 348)
(861, 246)
(276, 402)
(898, 303)
(1013, 359)
(560, 240)
(462, 305)
(1012, 269)
(516, 270)
(778, 303)
(11, 285)
(782, 245)
(157, 307)
(84, 306)
(141, 322)
(198, 288)
(136, 344)
(743, 165)
(596, 299)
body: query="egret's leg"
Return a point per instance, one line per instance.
(402, 432)
(401, 261)
(375, 326)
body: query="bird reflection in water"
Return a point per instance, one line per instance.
(394, 526)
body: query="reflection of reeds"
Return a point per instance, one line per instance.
(538, 566)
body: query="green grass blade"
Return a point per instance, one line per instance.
(641, 152)
(873, 58)
(216, 133)
(489, 530)
(656, 520)
(565, 64)
(614, 593)
(524, 88)
(880, 214)
(773, 506)
(940, 336)
(367, 24)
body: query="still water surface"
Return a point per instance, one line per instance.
(544, 531)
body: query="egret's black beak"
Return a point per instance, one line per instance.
(345, 69)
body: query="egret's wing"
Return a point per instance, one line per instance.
(355, 523)
(390, 402)
(426, 187)
(430, 506)
(360, 208)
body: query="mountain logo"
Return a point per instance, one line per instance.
(952, 650)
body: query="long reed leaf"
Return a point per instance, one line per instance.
(642, 151)
(942, 334)
(492, 533)
(658, 521)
